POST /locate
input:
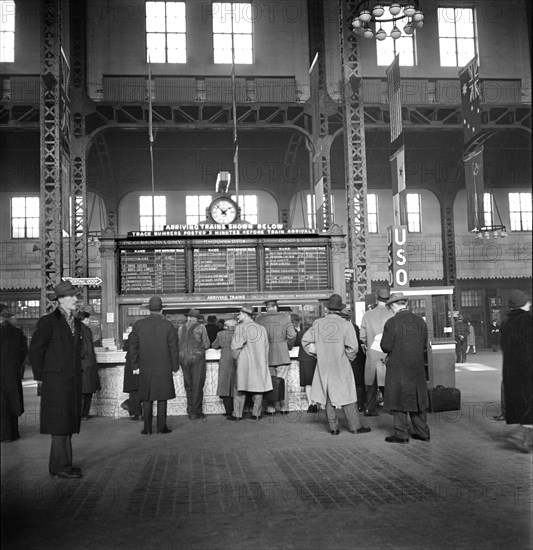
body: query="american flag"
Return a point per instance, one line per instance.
(395, 100)
(470, 99)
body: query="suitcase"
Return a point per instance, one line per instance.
(444, 399)
(277, 393)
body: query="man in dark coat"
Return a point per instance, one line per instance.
(13, 348)
(153, 350)
(405, 338)
(55, 356)
(516, 340)
(461, 335)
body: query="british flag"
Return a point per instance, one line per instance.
(470, 99)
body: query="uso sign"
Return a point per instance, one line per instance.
(397, 260)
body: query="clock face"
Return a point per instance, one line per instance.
(223, 211)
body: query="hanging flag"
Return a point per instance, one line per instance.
(475, 188)
(397, 163)
(470, 99)
(395, 99)
(150, 130)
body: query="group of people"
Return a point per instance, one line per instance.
(340, 367)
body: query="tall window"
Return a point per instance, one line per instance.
(248, 205)
(232, 28)
(388, 49)
(25, 217)
(148, 221)
(372, 212)
(7, 31)
(165, 32)
(457, 37)
(487, 210)
(414, 221)
(195, 206)
(520, 211)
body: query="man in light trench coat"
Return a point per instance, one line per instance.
(334, 342)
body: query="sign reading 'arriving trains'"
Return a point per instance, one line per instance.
(224, 265)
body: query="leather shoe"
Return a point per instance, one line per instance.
(135, 417)
(165, 430)
(419, 437)
(233, 418)
(335, 432)
(200, 416)
(253, 417)
(394, 439)
(146, 432)
(75, 469)
(499, 418)
(362, 430)
(270, 413)
(371, 413)
(67, 475)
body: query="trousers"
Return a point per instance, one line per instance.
(60, 461)
(194, 373)
(161, 415)
(351, 413)
(418, 420)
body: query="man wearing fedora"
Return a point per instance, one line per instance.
(153, 352)
(281, 337)
(334, 342)
(405, 339)
(55, 356)
(249, 346)
(194, 341)
(371, 332)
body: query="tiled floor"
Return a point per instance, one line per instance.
(282, 482)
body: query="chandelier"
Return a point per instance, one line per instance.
(371, 13)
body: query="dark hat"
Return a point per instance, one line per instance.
(517, 298)
(346, 314)
(211, 318)
(5, 312)
(335, 303)
(247, 308)
(268, 302)
(397, 297)
(155, 304)
(65, 288)
(194, 313)
(382, 294)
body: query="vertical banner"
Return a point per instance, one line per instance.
(475, 188)
(470, 100)
(395, 103)
(397, 160)
(397, 257)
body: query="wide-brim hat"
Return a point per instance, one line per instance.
(517, 298)
(382, 294)
(268, 302)
(397, 297)
(155, 303)
(247, 308)
(194, 313)
(65, 288)
(335, 303)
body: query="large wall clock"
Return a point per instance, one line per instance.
(223, 210)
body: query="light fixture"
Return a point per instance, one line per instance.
(371, 12)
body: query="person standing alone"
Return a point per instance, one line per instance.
(153, 351)
(55, 357)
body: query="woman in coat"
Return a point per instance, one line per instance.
(132, 405)
(226, 365)
(13, 348)
(307, 366)
(90, 381)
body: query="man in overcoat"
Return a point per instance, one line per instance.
(250, 349)
(516, 340)
(226, 365)
(55, 357)
(405, 338)
(194, 341)
(13, 349)
(371, 332)
(153, 351)
(334, 342)
(281, 337)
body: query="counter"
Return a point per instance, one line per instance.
(106, 402)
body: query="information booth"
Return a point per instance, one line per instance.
(435, 305)
(216, 270)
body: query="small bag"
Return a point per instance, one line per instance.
(444, 399)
